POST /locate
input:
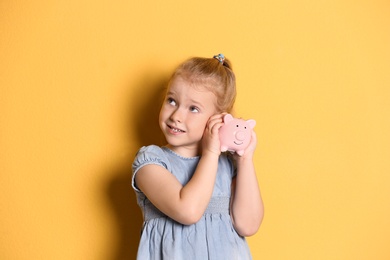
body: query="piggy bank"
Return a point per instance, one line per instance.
(235, 134)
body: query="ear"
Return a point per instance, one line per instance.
(227, 118)
(251, 123)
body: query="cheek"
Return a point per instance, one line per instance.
(162, 116)
(200, 125)
(163, 112)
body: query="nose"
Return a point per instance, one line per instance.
(240, 135)
(177, 116)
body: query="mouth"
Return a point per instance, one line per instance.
(238, 143)
(175, 130)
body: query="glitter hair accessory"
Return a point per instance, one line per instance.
(220, 58)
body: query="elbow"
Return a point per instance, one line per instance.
(247, 231)
(189, 216)
(247, 228)
(190, 220)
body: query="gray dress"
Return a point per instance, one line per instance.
(213, 237)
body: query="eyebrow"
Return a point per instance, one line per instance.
(197, 103)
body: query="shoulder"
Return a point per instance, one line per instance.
(150, 150)
(151, 154)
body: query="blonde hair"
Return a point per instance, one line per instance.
(215, 75)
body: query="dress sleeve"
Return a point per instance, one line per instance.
(148, 155)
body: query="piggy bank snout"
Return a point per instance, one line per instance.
(240, 135)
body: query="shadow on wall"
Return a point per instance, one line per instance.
(142, 121)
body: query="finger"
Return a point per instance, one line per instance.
(216, 126)
(218, 117)
(214, 120)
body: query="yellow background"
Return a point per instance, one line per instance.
(81, 83)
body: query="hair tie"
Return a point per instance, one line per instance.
(220, 58)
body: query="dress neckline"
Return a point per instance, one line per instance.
(178, 155)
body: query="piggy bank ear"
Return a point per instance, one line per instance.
(251, 123)
(227, 118)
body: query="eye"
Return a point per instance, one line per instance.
(171, 101)
(237, 125)
(194, 109)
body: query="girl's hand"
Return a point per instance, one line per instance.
(210, 140)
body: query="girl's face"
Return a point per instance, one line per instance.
(184, 115)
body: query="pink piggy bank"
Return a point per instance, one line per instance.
(235, 134)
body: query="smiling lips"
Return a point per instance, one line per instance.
(175, 130)
(237, 143)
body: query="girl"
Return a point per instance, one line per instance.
(197, 203)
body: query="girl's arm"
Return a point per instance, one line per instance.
(247, 209)
(185, 204)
